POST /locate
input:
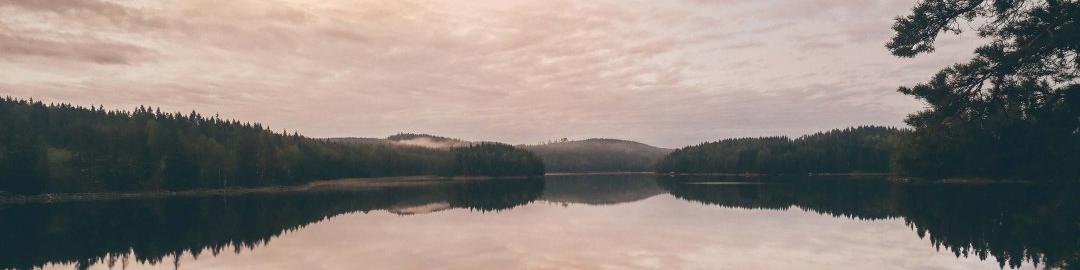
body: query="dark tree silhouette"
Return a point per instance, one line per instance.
(1013, 111)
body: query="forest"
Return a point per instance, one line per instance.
(56, 148)
(865, 149)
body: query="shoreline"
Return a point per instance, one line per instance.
(418, 180)
(320, 185)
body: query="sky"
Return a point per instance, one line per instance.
(668, 73)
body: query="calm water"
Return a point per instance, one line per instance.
(585, 222)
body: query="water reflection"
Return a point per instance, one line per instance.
(1012, 225)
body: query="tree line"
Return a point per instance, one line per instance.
(47, 148)
(865, 149)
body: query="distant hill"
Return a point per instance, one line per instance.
(598, 155)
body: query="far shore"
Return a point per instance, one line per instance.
(779, 174)
(890, 176)
(715, 174)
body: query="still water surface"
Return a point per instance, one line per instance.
(560, 222)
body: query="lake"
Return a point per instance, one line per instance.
(629, 221)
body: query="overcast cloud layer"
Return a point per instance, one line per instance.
(669, 73)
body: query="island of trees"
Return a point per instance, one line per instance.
(50, 148)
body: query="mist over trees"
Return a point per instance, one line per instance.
(864, 149)
(426, 140)
(65, 148)
(1013, 111)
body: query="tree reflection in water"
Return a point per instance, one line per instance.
(1015, 223)
(88, 233)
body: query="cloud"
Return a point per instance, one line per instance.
(70, 6)
(70, 13)
(743, 45)
(98, 52)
